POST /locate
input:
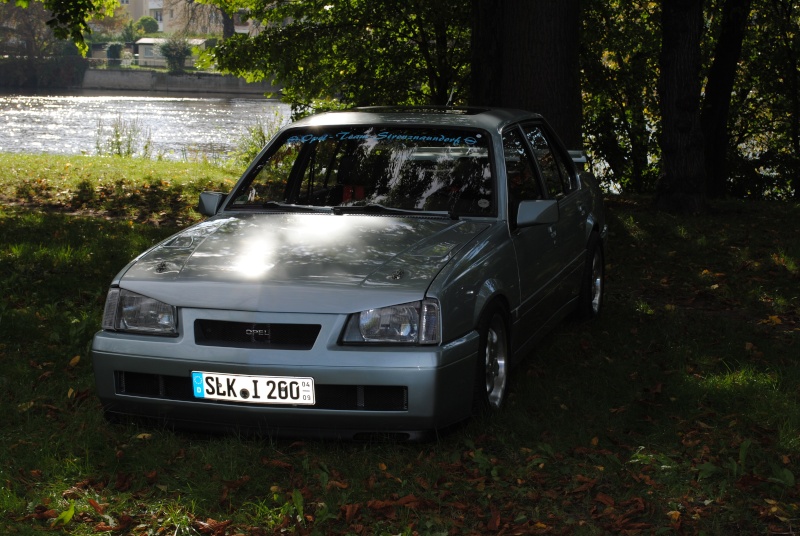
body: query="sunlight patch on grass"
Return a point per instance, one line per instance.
(736, 380)
(633, 228)
(785, 260)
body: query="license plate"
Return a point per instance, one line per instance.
(253, 389)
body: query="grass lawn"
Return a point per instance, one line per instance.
(676, 412)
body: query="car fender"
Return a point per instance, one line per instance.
(463, 288)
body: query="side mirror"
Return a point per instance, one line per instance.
(537, 212)
(210, 203)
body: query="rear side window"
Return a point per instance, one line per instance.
(522, 182)
(555, 171)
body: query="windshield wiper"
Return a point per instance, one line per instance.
(375, 208)
(288, 207)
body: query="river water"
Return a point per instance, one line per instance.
(178, 127)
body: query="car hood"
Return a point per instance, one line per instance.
(285, 262)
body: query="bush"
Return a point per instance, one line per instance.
(175, 51)
(114, 51)
(125, 139)
(255, 137)
(131, 32)
(148, 25)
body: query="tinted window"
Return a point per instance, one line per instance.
(522, 181)
(551, 163)
(403, 168)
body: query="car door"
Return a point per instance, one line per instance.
(535, 246)
(561, 183)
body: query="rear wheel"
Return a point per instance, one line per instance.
(590, 301)
(491, 374)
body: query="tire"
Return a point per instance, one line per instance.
(492, 363)
(590, 300)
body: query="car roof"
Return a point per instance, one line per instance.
(464, 117)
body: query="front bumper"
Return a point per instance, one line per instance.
(401, 390)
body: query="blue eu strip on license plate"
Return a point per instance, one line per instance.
(253, 389)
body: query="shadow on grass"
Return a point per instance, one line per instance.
(675, 412)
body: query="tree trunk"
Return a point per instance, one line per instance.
(525, 55)
(228, 28)
(716, 105)
(681, 187)
(487, 71)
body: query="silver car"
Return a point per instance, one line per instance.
(379, 270)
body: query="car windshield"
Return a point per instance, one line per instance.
(373, 170)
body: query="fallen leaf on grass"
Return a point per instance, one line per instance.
(494, 522)
(588, 483)
(213, 527)
(42, 512)
(232, 485)
(99, 508)
(123, 482)
(65, 517)
(276, 463)
(604, 499)
(350, 512)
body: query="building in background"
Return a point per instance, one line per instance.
(184, 16)
(150, 53)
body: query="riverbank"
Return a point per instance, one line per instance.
(75, 73)
(162, 82)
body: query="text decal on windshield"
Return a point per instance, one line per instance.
(345, 135)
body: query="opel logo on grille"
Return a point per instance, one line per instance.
(258, 334)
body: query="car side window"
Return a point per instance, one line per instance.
(271, 178)
(551, 163)
(522, 181)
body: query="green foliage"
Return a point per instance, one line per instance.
(621, 43)
(123, 138)
(147, 25)
(114, 50)
(358, 52)
(765, 110)
(70, 18)
(131, 32)
(175, 50)
(255, 137)
(620, 108)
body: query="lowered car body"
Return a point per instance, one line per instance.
(377, 270)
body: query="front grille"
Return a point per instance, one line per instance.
(249, 335)
(335, 397)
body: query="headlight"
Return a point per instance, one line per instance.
(409, 323)
(128, 311)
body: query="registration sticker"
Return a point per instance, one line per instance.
(253, 389)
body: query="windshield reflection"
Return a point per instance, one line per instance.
(411, 169)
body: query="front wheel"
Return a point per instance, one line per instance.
(491, 374)
(590, 300)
